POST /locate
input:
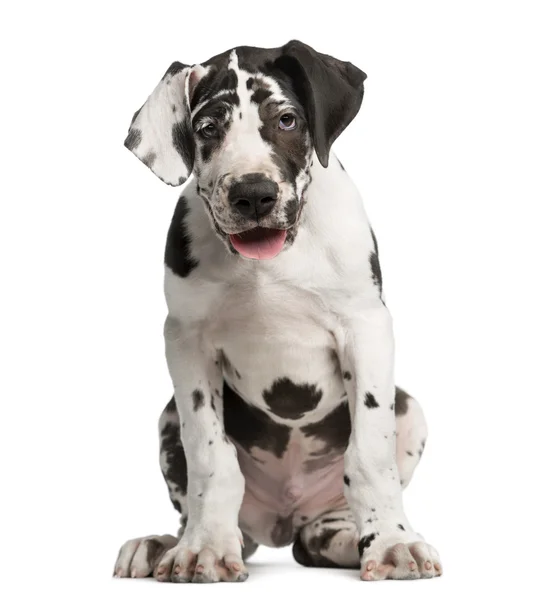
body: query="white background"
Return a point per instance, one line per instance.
(445, 151)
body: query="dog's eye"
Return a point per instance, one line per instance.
(208, 131)
(287, 122)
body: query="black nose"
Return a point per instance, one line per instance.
(253, 196)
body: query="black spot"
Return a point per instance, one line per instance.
(322, 540)
(133, 139)
(283, 531)
(170, 408)
(364, 543)
(200, 495)
(260, 95)
(347, 375)
(251, 427)
(212, 403)
(176, 470)
(183, 142)
(370, 401)
(198, 399)
(401, 527)
(401, 402)
(178, 247)
(331, 520)
(391, 407)
(334, 429)
(409, 453)
(149, 159)
(375, 270)
(346, 480)
(249, 83)
(173, 108)
(210, 442)
(291, 210)
(290, 400)
(154, 550)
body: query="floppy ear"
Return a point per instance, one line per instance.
(160, 134)
(330, 90)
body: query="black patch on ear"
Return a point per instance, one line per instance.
(178, 247)
(401, 402)
(370, 401)
(134, 137)
(334, 429)
(330, 90)
(251, 427)
(290, 400)
(183, 142)
(198, 399)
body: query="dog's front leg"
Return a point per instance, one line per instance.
(210, 546)
(388, 546)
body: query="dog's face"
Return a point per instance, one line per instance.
(247, 124)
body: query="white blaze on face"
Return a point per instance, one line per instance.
(244, 150)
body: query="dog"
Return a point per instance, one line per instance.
(285, 426)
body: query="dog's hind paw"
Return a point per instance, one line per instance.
(138, 557)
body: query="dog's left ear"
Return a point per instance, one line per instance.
(160, 134)
(330, 90)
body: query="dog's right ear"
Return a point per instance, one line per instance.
(160, 134)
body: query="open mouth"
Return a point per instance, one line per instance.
(261, 243)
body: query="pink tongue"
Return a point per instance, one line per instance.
(260, 242)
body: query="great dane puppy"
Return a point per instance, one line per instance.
(285, 426)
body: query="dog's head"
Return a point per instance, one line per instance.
(246, 123)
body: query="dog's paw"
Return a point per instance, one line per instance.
(203, 559)
(382, 558)
(139, 557)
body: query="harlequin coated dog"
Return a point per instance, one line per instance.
(285, 426)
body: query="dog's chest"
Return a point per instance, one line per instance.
(284, 407)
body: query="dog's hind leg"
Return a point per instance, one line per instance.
(333, 540)
(139, 557)
(411, 431)
(172, 460)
